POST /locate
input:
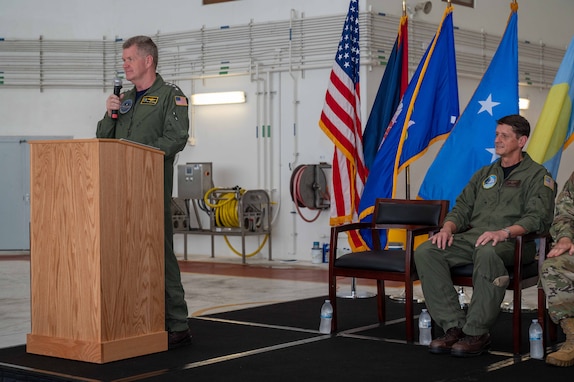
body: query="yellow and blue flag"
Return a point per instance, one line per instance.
(553, 132)
(470, 145)
(391, 90)
(428, 110)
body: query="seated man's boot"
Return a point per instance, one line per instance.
(443, 345)
(564, 356)
(471, 346)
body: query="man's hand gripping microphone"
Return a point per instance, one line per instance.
(117, 89)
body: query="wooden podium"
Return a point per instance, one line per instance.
(97, 250)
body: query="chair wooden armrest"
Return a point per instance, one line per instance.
(336, 230)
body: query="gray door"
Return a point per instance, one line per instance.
(15, 192)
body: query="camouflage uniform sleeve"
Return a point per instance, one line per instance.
(563, 224)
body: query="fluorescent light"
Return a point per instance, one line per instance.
(523, 103)
(218, 98)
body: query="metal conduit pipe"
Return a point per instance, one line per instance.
(268, 147)
(238, 46)
(259, 121)
(276, 193)
(295, 99)
(183, 75)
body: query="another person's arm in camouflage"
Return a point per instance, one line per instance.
(562, 229)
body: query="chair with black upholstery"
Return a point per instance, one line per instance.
(416, 217)
(522, 275)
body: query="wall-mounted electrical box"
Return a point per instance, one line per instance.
(194, 180)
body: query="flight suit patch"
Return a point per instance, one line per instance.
(149, 100)
(549, 182)
(126, 105)
(489, 182)
(180, 101)
(512, 183)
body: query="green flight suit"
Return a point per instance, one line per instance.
(158, 118)
(488, 203)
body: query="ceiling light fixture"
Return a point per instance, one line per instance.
(523, 103)
(219, 98)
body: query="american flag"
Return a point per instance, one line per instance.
(180, 101)
(341, 122)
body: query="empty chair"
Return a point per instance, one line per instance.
(416, 217)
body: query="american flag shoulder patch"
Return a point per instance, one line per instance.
(181, 100)
(549, 182)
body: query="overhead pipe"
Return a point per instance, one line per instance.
(211, 46)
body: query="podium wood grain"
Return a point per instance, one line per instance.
(97, 250)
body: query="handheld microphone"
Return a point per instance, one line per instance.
(117, 88)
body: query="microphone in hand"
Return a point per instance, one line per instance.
(117, 88)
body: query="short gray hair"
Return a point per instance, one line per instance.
(145, 46)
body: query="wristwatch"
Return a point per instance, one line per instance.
(507, 233)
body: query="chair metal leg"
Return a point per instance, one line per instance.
(353, 293)
(401, 297)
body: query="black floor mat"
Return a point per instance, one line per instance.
(281, 341)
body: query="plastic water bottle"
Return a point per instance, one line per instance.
(325, 252)
(535, 334)
(462, 298)
(326, 317)
(425, 325)
(316, 253)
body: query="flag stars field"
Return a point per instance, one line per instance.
(487, 105)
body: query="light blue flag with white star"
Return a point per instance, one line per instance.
(470, 144)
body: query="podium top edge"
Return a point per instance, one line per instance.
(98, 140)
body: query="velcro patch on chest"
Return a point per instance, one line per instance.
(512, 183)
(149, 100)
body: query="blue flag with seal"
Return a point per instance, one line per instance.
(428, 110)
(553, 132)
(470, 145)
(392, 88)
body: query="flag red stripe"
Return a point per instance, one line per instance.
(341, 121)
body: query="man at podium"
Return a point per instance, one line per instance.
(154, 113)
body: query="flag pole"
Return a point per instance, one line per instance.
(407, 169)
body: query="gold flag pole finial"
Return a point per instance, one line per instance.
(404, 8)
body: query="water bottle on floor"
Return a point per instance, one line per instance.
(326, 317)
(316, 253)
(425, 325)
(462, 298)
(535, 334)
